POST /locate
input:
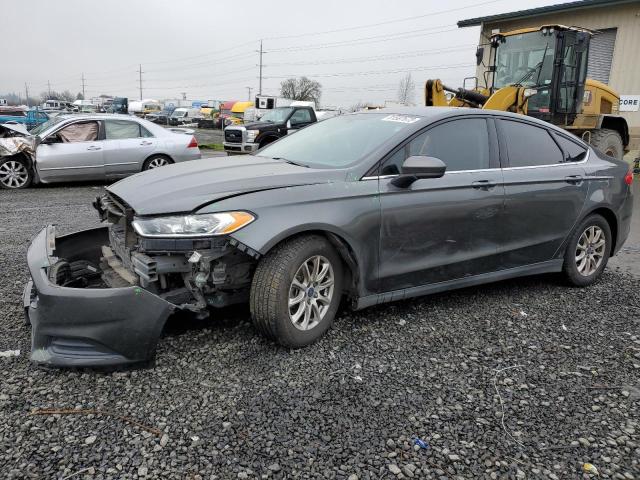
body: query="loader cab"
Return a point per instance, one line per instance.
(550, 60)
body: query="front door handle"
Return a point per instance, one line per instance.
(573, 179)
(94, 147)
(483, 184)
(146, 142)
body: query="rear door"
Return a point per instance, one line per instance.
(545, 191)
(76, 154)
(127, 145)
(445, 228)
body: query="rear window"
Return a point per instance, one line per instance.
(528, 145)
(573, 150)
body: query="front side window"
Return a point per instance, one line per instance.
(528, 145)
(277, 115)
(121, 129)
(461, 144)
(79, 132)
(339, 141)
(300, 116)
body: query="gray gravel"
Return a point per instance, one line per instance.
(562, 365)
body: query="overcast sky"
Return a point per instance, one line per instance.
(355, 49)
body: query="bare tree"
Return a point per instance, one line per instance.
(301, 88)
(406, 90)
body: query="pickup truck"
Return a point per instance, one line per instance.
(247, 138)
(29, 118)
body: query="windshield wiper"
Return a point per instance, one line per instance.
(282, 159)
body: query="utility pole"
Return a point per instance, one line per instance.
(184, 95)
(48, 90)
(260, 86)
(26, 91)
(249, 88)
(83, 96)
(140, 72)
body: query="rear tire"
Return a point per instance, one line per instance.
(608, 141)
(586, 255)
(15, 173)
(156, 161)
(293, 304)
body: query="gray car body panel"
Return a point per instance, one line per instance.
(436, 235)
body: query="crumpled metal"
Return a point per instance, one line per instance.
(13, 145)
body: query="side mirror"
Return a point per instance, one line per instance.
(288, 123)
(417, 167)
(50, 140)
(479, 55)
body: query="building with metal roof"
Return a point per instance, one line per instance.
(614, 56)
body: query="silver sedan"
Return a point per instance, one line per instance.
(92, 147)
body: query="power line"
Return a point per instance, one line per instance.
(387, 22)
(379, 72)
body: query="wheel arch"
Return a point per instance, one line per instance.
(609, 215)
(339, 241)
(156, 154)
(618, 124)
(269, 138)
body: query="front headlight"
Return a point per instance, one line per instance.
(251, 135)
(203, 225)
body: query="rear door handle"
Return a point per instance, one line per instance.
(483, 184)
(94, 147)
(573, 179)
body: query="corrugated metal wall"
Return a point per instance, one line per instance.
(624, 74)
(601, 54)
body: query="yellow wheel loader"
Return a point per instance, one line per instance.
(542, 72)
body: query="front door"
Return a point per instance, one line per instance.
(545, 191)
(76, 153)
(444, 228)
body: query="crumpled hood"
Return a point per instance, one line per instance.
(184, 187)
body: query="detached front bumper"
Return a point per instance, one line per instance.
(87, 326)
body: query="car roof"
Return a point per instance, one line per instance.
(431, 114)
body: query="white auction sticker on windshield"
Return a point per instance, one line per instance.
(400, 119)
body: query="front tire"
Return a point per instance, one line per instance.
(15, 173)
(296, 291)
(587, 251)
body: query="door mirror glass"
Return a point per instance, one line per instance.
(288, 123)
(51, 139)
(417, 167)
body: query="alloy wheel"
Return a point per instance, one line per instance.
(311, 292)
(590, 250)
(158, 162)
(13, 174)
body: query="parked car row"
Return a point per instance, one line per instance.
(369, 207)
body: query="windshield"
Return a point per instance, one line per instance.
(46, 125)
(178, 113)
(277, 115)
(526, 59)
(338, 141)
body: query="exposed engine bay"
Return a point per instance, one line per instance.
(190, 273)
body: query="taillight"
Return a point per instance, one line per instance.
(628, 178)
(193, 143)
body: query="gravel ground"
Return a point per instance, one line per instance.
(557, 367)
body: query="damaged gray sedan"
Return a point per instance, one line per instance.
(371, 208)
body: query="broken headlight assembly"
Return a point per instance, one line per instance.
(189, 226)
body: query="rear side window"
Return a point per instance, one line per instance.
(529, 146)
(573, 151)
(120, 129)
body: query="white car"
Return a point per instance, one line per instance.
(92, 147)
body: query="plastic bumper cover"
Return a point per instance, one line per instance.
(87, 326)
